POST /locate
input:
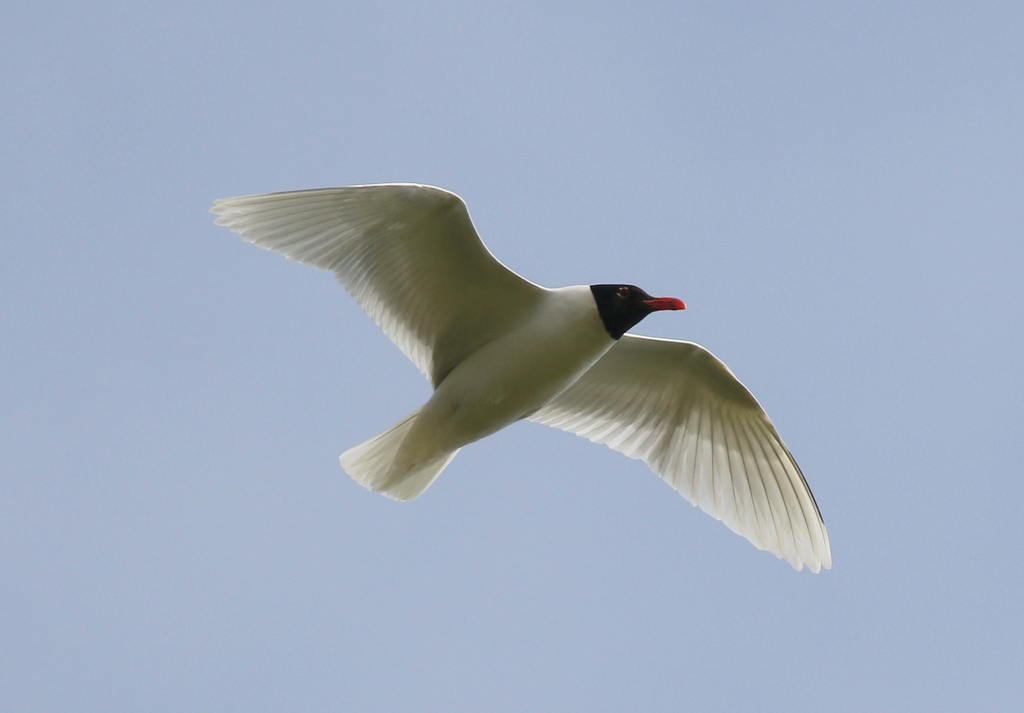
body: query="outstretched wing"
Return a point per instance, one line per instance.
(408, 254)
(679, 409)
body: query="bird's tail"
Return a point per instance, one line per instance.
(373, 464)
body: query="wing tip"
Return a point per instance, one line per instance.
(814, 560)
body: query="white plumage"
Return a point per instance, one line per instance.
(498, 348)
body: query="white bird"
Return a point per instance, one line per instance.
(498, 348)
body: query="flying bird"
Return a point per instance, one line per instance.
(498, 348)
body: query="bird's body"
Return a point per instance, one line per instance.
(513, 376)
(502, 382)
(499, 349)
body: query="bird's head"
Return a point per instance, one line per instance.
(623, 306)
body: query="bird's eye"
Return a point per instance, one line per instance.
(624, 292)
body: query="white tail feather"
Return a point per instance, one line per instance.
(372, 464)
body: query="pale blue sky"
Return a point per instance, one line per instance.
(836, 190)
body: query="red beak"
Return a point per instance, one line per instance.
(664, 303)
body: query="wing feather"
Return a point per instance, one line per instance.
(679, 409)
(407, 253)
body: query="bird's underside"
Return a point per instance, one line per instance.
(498, 348)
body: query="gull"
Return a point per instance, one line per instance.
(498, 348)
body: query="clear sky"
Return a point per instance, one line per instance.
(835, 189)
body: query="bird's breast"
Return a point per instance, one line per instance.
(517, 373)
